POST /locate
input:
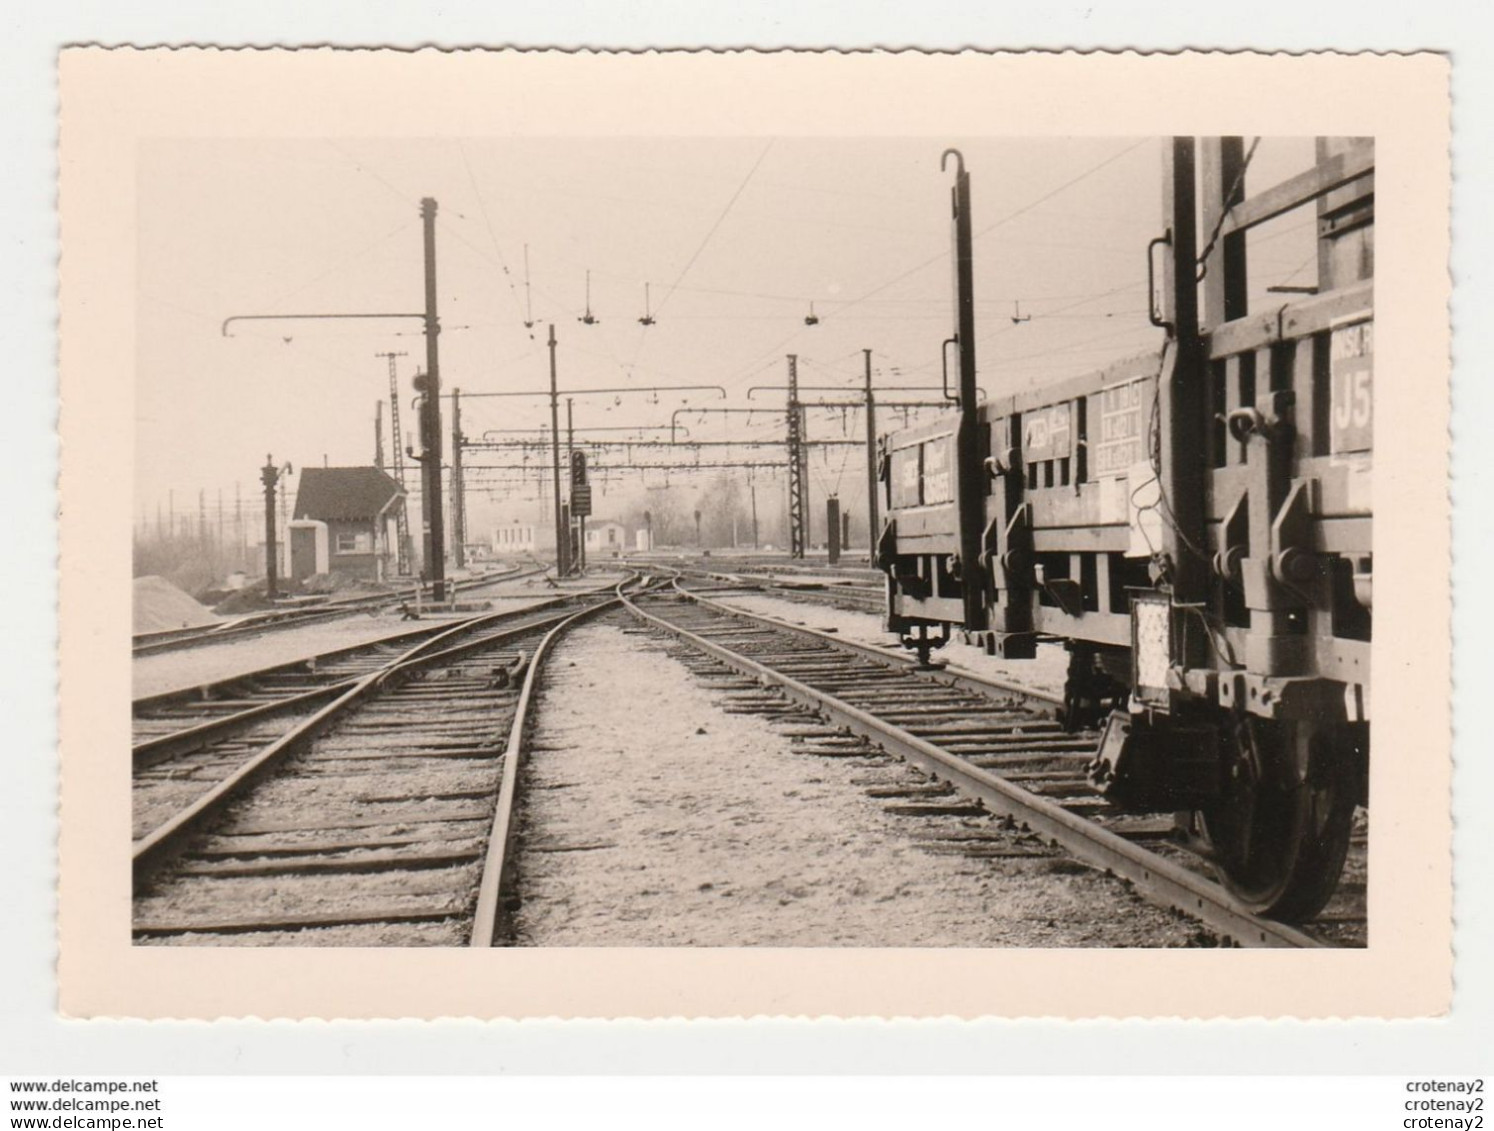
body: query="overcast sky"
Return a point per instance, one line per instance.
(734, 237)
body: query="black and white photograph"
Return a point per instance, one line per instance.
(739, 540)
(724, 542)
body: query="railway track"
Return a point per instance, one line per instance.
(995, 745)
(851, 596)
(785, 566)
(170, 640)
(382, 816)
(851, 590)
(187, 739)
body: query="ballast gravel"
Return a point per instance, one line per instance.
(654, 818)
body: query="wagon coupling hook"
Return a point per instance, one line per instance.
(1244, 421)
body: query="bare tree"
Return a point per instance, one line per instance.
(671, 521)
(723, 505)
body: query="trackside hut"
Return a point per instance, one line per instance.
(345, 521)
(605, 537)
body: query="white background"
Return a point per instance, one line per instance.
(1283, 1103)
(33, 1041)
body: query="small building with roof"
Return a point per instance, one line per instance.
(345, 521)
(605, 538)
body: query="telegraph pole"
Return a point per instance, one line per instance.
(284, 488)
(379, 434)
(752, 488)
(570, 435)
(872, 529)
(269, 475)
(562, 566)
(430, 415)
(572, 550)
(458, 484)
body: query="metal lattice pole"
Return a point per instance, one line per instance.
(872, 527)
(798, 474)
(562, 566)
(458, 484)
(402, 518)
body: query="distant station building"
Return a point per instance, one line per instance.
(525, 537)
(345, 521)
(521, 538)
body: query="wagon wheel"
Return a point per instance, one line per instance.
(1279, 842)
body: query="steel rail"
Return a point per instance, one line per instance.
(173, 639)
(894, 658)
(513, 575)
(784, 568)
(863, 595)
(1161, 880)
(164, 747)
(204, 692)
(150, 849)
(261, 620)
(489, 920)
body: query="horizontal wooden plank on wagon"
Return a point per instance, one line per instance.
(1296, 191)
(1292, 321)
